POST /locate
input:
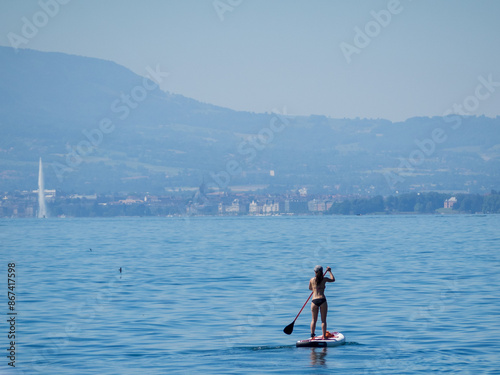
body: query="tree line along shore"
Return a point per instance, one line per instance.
(25, 204)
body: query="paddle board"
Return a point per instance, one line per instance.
(333, 339)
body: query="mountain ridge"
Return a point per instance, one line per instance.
(50, 100)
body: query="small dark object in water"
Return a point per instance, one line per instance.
(120, 270)
(90, 249)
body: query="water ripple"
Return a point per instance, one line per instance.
(413, 294)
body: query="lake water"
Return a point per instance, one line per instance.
(211, 295)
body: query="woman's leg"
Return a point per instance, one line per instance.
(314, 311)
(324, 309)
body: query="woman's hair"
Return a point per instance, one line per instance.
(319, 277)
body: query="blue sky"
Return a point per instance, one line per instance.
(260, 55)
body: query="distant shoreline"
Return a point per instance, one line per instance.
(237, 204)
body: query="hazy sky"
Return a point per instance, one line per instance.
(258, 55)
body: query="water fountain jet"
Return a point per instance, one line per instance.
(42, 207)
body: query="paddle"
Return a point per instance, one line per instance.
(289, 328)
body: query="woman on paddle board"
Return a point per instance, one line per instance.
(317, 284)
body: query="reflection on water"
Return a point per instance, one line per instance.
(318, 357)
